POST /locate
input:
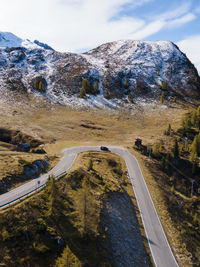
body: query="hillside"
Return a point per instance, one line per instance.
(130, 75)
(173, 161)
(83, 212)
(59, 127)
(114, 74)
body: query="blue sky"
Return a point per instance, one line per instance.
(181, 18)
(79, 25)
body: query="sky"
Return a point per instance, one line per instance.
(79, 25)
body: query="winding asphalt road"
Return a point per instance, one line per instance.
(159, 246)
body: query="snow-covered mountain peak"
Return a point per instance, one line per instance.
(129, 49)
(8, 39)
(121, 71)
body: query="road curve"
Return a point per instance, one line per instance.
(159, 246)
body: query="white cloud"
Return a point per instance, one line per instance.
(175, 12)
(181, 21)
(148, 30)
(68, 25)
(71, 25)
(134, 4)
(190, 46)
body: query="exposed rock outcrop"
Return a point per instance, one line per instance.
(18, 138)
(30, 171)
(122, 69)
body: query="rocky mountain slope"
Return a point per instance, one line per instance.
(120, 72)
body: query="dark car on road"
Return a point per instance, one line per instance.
(104, 148)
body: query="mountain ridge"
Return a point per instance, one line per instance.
(8, 39)
(123, 70)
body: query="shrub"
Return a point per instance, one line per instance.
(5, 235)
(24, 162)
(41, 248)
(112, 163)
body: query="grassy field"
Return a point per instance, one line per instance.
(60, 127)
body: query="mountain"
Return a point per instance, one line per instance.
(119, 72)
(8, 39)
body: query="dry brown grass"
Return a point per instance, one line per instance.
(62, 127)
(33, 212)
(111, 181)
(157, 194)
(10, 162)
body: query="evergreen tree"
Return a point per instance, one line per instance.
(35, 86)
(195, 148)
(186, 145)
(194, 152)
(167, 160)
(96, 88)
(160, 150)
(85, 187)
(155, 150)
(82, 93)
(67, 259)
(55, 202)
(41, 86)
(198, 111)
(172, 189)
(194, 167)
(194, 118)
(52, 189)
(164, 86)
(169, 129)
(86, 86)
(198, 117)
(90, 165)
(162, 98)
(195, 218)
(176, 150)
(126, 83)
(163, 162)
(186, 125)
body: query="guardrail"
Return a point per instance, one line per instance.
(18, 198)
(34, 190)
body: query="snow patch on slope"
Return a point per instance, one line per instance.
(8, 39)
(134, 61)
